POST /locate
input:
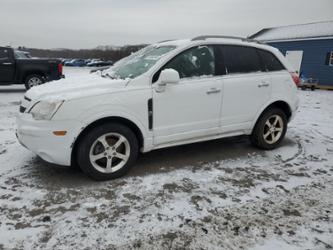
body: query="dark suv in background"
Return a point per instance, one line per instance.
(17, 67)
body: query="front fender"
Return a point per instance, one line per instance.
(79, 110)
(92, 115)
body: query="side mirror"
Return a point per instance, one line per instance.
(169, 76)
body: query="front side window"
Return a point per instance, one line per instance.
(269, 61)
(330, 63)
(138, 63)
(195, 62)
(4, 54)
(238, 59)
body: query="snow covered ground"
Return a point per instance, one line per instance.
(222, 194)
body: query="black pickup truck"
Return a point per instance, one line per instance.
(16, 67)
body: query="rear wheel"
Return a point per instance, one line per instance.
(33, 80)
(270, 129)
(108, 151)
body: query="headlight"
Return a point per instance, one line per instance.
(45, 110)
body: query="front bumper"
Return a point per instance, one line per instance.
(38, 137)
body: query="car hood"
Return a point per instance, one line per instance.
(75, 87)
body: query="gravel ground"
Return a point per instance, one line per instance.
(222, 194)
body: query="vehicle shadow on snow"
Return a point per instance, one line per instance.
(158, 161)
(198, 155)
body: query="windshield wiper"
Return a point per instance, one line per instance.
(108, 75)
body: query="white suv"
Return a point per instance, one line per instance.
(167, 94)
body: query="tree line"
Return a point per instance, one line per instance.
(103, 54)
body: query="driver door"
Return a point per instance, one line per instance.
(191, 108)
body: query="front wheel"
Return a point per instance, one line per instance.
(270, 129)
(33, 80)
(108, 151)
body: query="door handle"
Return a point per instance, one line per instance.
(213, 91)
(6, 63)
(263, 84)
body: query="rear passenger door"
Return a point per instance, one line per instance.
(247, 87)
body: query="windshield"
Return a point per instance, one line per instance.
(137, 63)
(21, 54)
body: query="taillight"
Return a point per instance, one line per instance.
(296, 78)
(60, 68)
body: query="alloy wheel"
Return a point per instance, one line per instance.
(109, 153)
(273, 129)
(34, 81)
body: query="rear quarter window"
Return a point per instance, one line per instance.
(240, 59)
(269, 61)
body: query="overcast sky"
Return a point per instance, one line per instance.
(88, 23)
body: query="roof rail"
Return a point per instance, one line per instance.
(244, 39)
(164, 41)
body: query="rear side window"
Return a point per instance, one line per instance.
(3, 54)
(239, 59)
(270, 62)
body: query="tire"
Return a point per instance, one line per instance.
(101, 143)
(33, 80)
(269, 138)
(313, 88)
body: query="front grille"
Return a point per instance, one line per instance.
(22, 109)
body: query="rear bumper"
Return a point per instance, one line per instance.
(38, 137)
(53, 78)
